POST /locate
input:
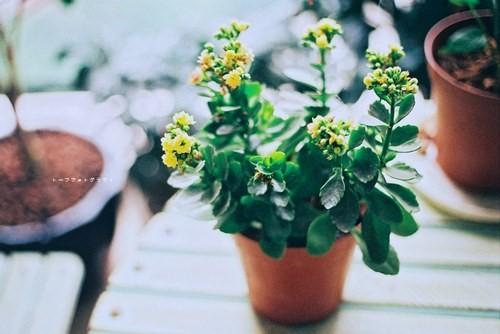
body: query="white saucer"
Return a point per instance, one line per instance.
(439, 190)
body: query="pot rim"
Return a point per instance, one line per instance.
(443, 26)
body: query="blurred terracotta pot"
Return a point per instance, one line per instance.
(299, 288)
(468, 119)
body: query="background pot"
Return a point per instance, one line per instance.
(468, 119)
(76, 113)
(299, 288)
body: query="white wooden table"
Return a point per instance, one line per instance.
(38, 292)
(186, 278)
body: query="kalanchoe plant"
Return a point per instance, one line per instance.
(328, 177)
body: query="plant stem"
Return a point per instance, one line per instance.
(388, 134)
(324, 96)
(13, 91)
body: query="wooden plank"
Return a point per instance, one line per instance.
(425, 287)
(119, 312)
(20, 290)
(179, 272)
(450, 246)
(380, 321)
(62, 275)
(39, 293)
(174, 231)
(126, 312)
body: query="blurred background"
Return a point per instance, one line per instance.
(144, 51)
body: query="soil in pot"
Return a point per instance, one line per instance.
(69, 169)
(299, 288)
(477, 70)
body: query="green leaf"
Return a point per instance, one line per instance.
(384, 207)
(256, 186)
(378, 110)
(211, 192)
(356, 138)
(276, 161)
(286, 213)
(252, 91)
(390, 265)
(403, 172)
(221, 203)
(321, 235)
(405, 107)
(229, 108)
(365, 164)
(278, 183)
(408, 227)
(272, 248)
(333, 190)
(234, 176)
(317, 110)
(346, 213)
(280, 199)
(233, 221)
(407, 147)
(221, 169)
(404, 134)
(469, 3)
(208, 153)
(376, 235)
(288, 146)
(292, 174)
(182, 180)
(464, 41)
(405, 196)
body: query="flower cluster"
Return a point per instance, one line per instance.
(321, 34)
(231, 67)
(392, 82)
(332, 137)
(382, 60)
(180, 149)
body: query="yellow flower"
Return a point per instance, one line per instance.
(196, 76)
(368, 81)
(229, 57)
(322, 42)
(239, 25)
(244, 58)
(167, 144)
(233, 78)
(169, 159)
(182, 118)
(329, 26)
(206, 60)
(182, 143)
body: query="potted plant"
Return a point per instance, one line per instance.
(325, 184)
(61, 169)
(463, 57)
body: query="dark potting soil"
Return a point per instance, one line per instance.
(477, 70)
(69, 167)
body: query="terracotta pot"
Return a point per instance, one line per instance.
(78, 114)
(299, 288)
(468, 119)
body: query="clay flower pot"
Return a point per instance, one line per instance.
(77, 120)
(299, 288)
(468, 119)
